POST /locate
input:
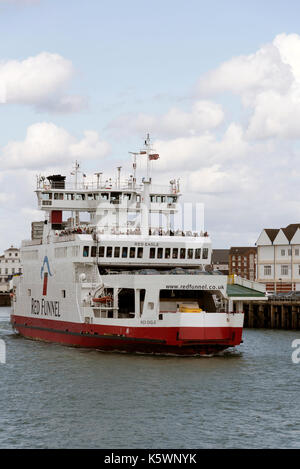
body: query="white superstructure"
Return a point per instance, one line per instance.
(117, 281)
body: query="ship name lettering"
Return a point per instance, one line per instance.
(146, 244)
(45, 308)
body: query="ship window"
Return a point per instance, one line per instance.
(104, 196)
(79, 196)
(163, 199)
(205, 253)
(29, 292)
(140, 253)
(96, 196)
(58, 196)
(125, 251)
(159, 253)
(93, 251)
(167, 253)
(190, 253)
(47, 196)
(182, 253)
(175, 253)
(85, 251)
(90, 196)
(101, 251)
(117, 251)
(152, 198)
(127, 196)
(198, 253)
(132, 253)
(109, 251)
(152, 253)
(63, 293)
(158, 199)
(115, 197)
(69, 196)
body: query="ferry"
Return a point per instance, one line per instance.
(101, 276)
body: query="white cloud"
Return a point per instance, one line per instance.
(39, 81)
(248, 75)
(268, 83)
(203, 115)
(203, 150)
(48, 145)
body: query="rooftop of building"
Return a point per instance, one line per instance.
(220, 256)
(241, 250)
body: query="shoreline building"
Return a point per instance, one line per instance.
(278, 258)
(242, 261)
(10, 264)
(219, 261)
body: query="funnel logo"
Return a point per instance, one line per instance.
(45, 274)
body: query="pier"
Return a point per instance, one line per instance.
(272, 314)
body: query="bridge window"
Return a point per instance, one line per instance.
(104, 196)
(198, 253)
(205, 253)
(109, 251)
(190, 253)
(80, 196)
(175, 253)
(152, 253)
(101, 251)
(85, 251)
(117, 251)
(47, 196)
(124, 251)
(90, 196)
(182, 253)
(115, 197)
(140, 253)
(132, 253)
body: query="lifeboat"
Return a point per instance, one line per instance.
(102, 299)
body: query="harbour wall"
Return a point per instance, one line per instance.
(272, 314)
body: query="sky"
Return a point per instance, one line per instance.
(215, 83)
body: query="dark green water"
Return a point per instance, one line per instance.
(53, 396)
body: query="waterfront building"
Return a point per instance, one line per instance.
(278, 258)
(9, 265)
(219, 261)
(242, 262)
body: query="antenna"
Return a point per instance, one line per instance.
(98, 179)
(134, 166)
(119, 176)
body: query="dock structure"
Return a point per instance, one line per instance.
(260, 310)
(272, 314)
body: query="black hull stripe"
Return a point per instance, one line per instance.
(92, 336)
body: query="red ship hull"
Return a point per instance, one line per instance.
(160, 340)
